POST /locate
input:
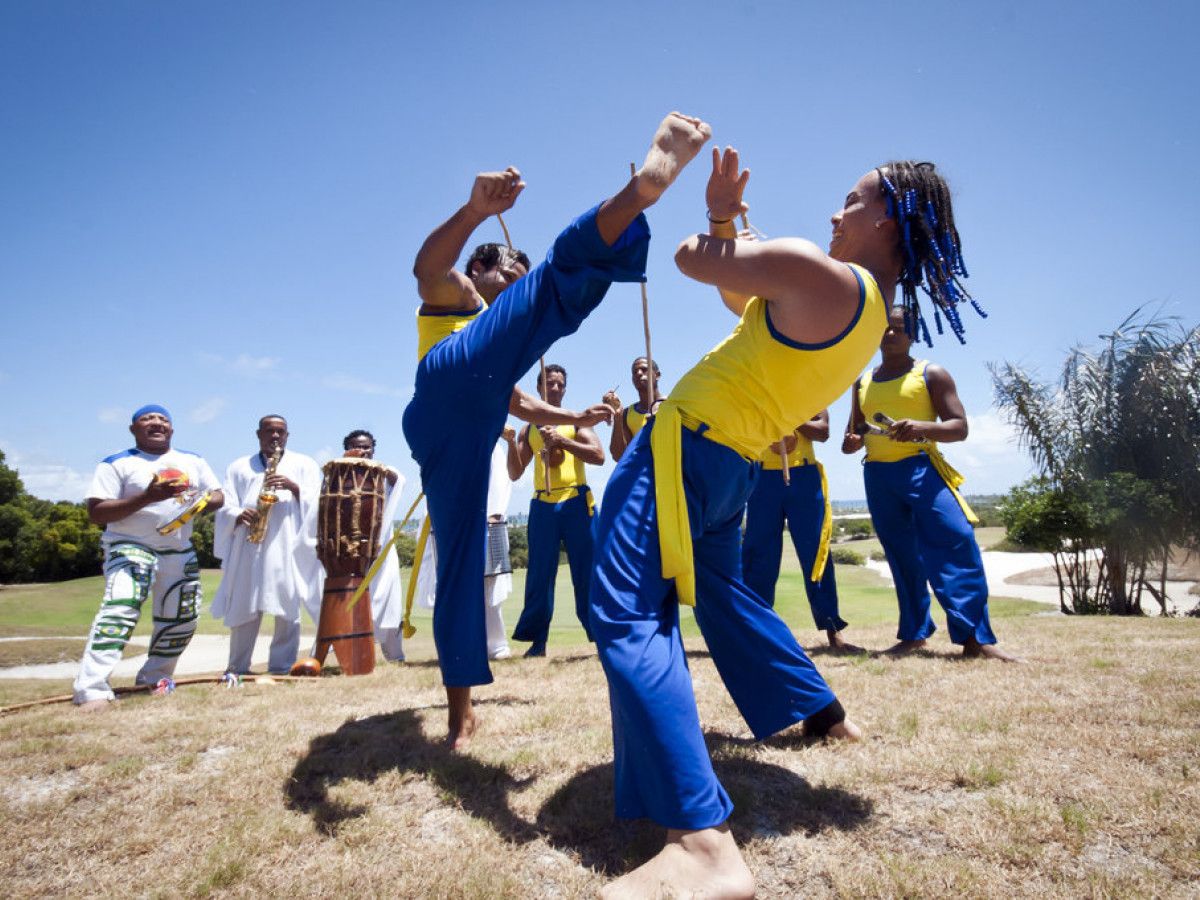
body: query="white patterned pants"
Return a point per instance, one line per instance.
(132, 572)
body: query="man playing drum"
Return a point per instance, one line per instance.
(478, 334)
(135, 495)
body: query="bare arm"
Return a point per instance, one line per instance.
(585, 446)
(104, 512)
(532, 409)
(519, 455)
(438, 282)
(620, 437)
(952, 426)
(812, 298)
(723, 195)
(852, 441)
(816, 428)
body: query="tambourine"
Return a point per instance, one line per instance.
(189, 512)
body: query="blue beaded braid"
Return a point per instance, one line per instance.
(931, 256)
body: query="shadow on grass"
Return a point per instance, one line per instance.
(769, 801)
(365, 749)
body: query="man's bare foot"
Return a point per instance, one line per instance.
(676, 143)
(903, 648)
(839, 644)
(975, 650)
(846, 730)
(462, 718)
(94, 706)
(705, 863)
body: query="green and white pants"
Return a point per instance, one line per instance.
(131, 573)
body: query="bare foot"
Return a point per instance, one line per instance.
(676, 143)
(838, 644)
(846, 730)
(975, 650)
(704, 863)
(462, 718)
(94, 706)
(903, 648)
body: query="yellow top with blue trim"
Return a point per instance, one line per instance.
(566, 478)
(635, 420)
(802, 455)
(434, 327)
(907, 397)
(903, 397)
(749, 390)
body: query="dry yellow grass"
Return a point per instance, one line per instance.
(1073, 776)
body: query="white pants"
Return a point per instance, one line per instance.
(285, 644)
(497, 640)
(131, 573)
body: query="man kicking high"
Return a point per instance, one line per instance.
(478, 334)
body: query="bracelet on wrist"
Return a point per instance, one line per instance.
(709, 214)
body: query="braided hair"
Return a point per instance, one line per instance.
(931, 252)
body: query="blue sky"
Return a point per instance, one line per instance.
(215, 206)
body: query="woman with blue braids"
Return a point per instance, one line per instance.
(809, 322)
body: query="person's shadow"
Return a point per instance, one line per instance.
(769, 800)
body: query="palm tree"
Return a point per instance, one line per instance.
(1118, 439)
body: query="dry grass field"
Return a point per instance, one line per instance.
(1075, 775)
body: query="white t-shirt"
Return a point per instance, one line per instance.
(129, 473)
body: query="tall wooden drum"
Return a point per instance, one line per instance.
(349, 523)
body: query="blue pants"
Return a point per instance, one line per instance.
(662, 767)
(552, 524)
(927, 539)
(800, 504)
(462, 391)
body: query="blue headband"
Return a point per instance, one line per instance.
(150, 408)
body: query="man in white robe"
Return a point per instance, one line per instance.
(277, 575)
(498, 586)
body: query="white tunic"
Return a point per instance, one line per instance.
(279, 575)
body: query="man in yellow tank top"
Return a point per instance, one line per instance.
(629, 421)
(921, 519)
(801, 502)
(668, 532)
(478, 335)
(560, 512)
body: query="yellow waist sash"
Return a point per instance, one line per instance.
(674, 533)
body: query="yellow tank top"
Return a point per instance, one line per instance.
(749, 390)
(903, 397)
(635, 421)
(433, 327)
(907, 397)
(565, 478)
(802, 455)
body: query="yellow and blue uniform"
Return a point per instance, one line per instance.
(635, 419)
(683, 484)
(802, 503)
(922, 521)
(463, 384)
(561, 514)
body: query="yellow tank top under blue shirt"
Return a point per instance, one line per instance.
(433, 327)
(748, 391)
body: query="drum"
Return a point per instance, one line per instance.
(190, 511)
(349, 523)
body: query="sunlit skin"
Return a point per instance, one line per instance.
(585, 446)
